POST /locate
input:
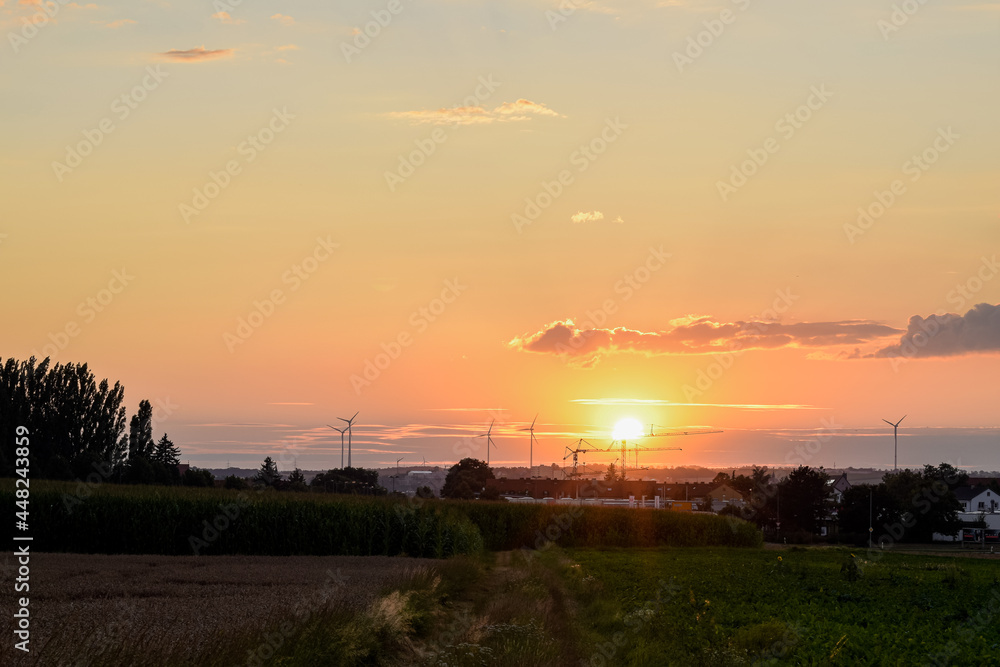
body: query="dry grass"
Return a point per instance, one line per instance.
(100, 609)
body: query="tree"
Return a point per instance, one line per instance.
(918, 504)
(140, 432)
(67, 412)
(234, 482)
(612, 474)
(349, 480)
(165, 452)
(196, 477)
(805, 499)
(425, 492)
(490, 493)
(268, 474)
(466, 478)
(297, 481)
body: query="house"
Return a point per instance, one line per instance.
(839, 487)
(724, 495)
(978, 499)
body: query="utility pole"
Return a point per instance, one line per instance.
(869, 519)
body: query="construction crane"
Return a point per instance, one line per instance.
(624, 445)
(575, 452)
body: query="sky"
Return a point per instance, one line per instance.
(775, 219)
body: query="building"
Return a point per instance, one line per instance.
(724, 495)
(978, 499)
(839, 487)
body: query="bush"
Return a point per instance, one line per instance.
(237, 483)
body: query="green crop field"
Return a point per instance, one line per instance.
(816, 606)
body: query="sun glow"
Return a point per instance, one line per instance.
(627, 429)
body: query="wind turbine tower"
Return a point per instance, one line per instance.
(531, 446)
(350, 424)
(895, 439)
(489, 440)
(341, 432)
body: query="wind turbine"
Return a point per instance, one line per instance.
(350, 424)
(531, 449)
(489, 441)
(895, 433)
(341, 432)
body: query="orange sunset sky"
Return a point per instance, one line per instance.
(778, 219)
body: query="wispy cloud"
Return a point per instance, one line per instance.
(694, 336)
(659, 402)
(196, 55)
(283, 19)
(225, 17)
(522, 109)
(518, 111)
(120, 23)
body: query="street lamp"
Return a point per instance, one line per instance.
(396, 475)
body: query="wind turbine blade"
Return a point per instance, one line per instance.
(901, 420)
(356, 414)
(888, 422)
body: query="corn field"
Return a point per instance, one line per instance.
(178, 521)
(119, 519)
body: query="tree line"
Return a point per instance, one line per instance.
(907, 505)
(78, 424)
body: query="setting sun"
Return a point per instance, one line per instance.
(627, 429)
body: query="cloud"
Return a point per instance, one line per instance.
(196, 55)
(590, 216)
(283, 19)
(521, 110)
(694, 336)
(948, 335)
(654, 401)
(225, 17)
(120, 23)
